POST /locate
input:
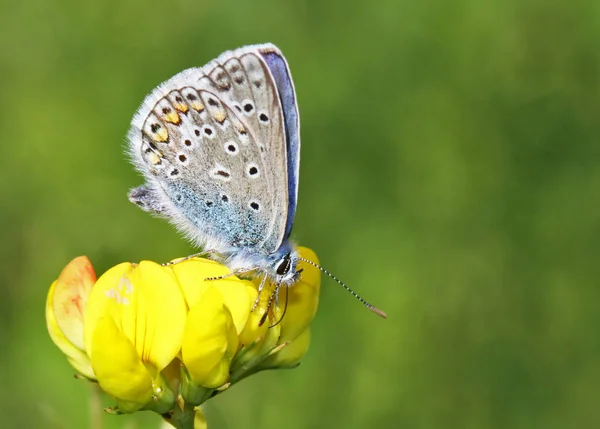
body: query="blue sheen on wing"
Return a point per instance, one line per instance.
(287, 95)
(222, 221)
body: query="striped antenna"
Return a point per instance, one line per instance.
(371, 307)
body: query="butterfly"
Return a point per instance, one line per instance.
(219, 149)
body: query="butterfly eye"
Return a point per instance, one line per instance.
(284, 266)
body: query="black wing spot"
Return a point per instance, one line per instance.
(174, 172)
(155, 127)
(248, 107)
(178, 99)
(208, 203)
(223, 173)
(254, 205)
(191, 97)
(182, 158)
(166, 110)
(252, 171)
(263, 117)
(224, 198)
(197, 132)
(188, 142)
(213, 102)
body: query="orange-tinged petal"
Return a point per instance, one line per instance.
(76, 357)
(65, 305)
(210, 340)
(71, 291)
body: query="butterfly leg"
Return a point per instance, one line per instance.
(277, 302)
(269, 304)
(185, 258)
(260, 288)
(233, 273)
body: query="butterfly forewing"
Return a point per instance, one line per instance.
(212, 140)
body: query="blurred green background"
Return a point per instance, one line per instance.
(450, 174)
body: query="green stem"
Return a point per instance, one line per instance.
(95, 407)
(183, 418)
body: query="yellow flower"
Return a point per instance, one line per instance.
(166, 339)
(65, 307)
(134, 326)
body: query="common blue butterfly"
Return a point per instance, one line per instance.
(219, 148)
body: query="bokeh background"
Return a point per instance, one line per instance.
(450, 174)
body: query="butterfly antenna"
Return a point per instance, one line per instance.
(371, 307)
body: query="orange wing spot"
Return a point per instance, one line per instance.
(198, 106)
(162, 135)
(219, 117)
(173, 117)
(154, 159)
(183, 108)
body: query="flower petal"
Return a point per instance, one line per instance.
(147, 306)
(65, 305)
(120, 371)
(71, 291)
(210, 340)
(291, 354)
(76, 357)
(99, 303)
(238, 295)
(200, 419)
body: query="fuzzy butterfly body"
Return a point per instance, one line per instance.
(219, 148)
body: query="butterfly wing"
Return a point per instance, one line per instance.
(287, 95)
(211, 143)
